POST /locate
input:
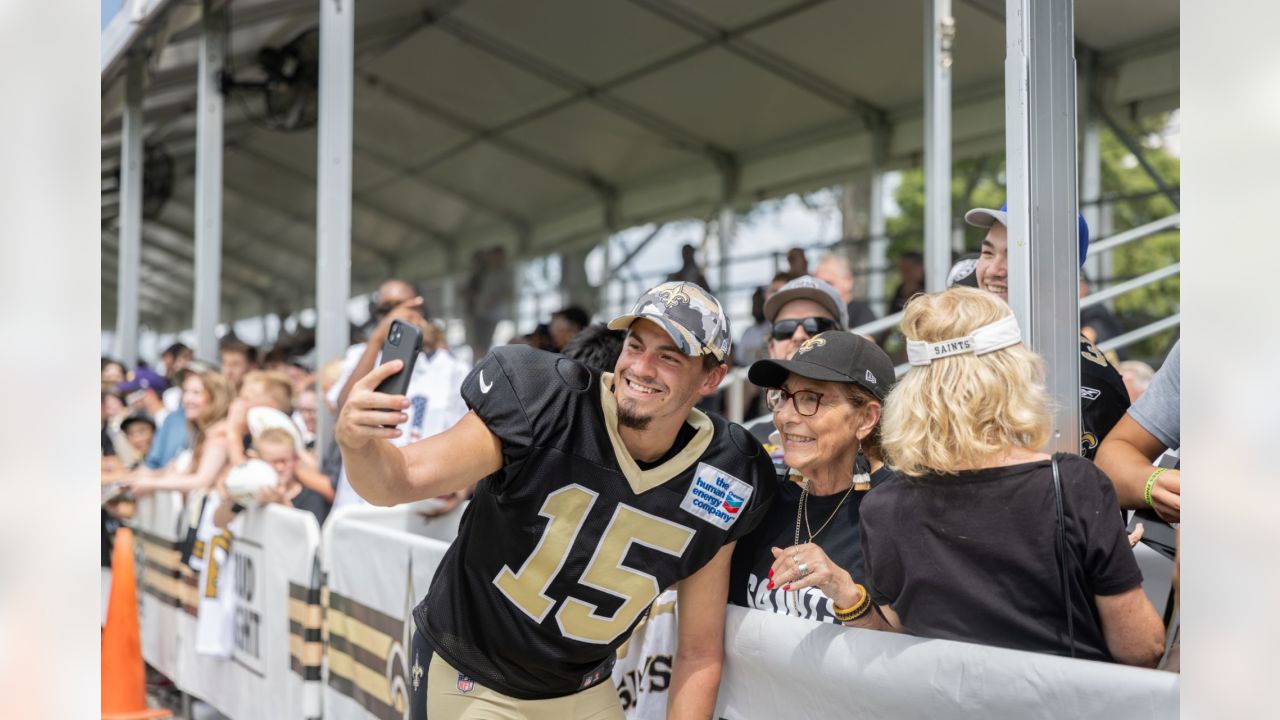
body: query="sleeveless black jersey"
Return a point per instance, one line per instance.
(561, 552)
(1103, 398)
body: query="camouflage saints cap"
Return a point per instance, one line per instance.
(692, 316)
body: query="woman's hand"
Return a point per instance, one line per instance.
(141, 488)
(833, 580)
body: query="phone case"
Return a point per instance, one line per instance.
(404, 342)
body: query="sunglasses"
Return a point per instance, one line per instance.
(784, 329)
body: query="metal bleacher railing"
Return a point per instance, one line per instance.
(734, 383)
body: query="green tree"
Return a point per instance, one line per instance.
(980, 183)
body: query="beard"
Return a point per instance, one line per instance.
(630, 419)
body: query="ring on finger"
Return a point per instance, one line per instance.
(803, 568)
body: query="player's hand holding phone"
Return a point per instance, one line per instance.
(377, 402)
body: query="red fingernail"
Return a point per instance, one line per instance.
(787, 586)
(770, 572)
(770, 584)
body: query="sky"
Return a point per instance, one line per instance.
(109, 9)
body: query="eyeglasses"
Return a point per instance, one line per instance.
(804, 401)
(784, 329)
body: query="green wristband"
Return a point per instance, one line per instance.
(1151, 482)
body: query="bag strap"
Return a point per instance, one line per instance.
(1062, 557)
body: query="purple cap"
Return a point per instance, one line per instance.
(143, 379)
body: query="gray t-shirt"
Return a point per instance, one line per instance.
(1157, 410)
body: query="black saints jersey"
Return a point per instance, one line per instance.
(1103, 398)
(562, 551)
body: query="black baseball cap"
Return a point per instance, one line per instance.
(137, 418)
(833, 356)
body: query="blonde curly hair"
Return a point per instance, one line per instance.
(964, 411)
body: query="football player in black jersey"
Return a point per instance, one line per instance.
(1103, 397)
(596, 491)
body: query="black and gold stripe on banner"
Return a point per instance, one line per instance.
(367, 658)
(164, 575)
(306, 649)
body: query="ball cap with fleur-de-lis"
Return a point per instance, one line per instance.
(690, 315)
(833, 356)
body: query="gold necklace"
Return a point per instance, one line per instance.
(802, 511)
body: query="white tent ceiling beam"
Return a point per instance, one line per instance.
(477, 133)
(251, 262)
(1040, 86)
(161, 285)
(581, 90)
(723, 37)
(178, 261)
(151, 311)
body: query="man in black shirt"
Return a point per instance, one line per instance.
(1103, 397)
(596, 491)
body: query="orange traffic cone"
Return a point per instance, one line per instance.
(124, 683)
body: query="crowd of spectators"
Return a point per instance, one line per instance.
(904, 506)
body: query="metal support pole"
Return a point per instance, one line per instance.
(879, 250)
(1091, 188)
(939, 31)
(208, 201)
(1040, 134)
(333, 185)
(130, 240)
(1091, 161)
(724, 235)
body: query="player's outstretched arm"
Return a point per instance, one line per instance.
(386, 475)
(701, 601)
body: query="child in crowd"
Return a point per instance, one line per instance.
(276, 447)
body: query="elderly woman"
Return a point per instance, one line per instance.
(965, 544)
(826, 401)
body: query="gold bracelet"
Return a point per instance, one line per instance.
(858, 610)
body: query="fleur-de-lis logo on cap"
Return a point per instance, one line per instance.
(810, 344)
(673, 296)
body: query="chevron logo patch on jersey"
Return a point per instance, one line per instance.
(716, 496)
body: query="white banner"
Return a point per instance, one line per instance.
(642, 674)
(155, 525)
(376, 573)
(780, 666)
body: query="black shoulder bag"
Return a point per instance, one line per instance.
(1062, 557)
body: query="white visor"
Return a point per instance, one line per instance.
(988, 338)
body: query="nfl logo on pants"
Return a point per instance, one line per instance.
(465, 684)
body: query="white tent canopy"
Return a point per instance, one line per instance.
(548, 125)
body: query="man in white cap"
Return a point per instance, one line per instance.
(801, 309)
(1103, 397)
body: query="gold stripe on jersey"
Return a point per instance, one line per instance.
(644, 480)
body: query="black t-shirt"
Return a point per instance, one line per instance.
(561, 552)
(753, 556)
(1103, 398)
(313, 502)
(973, 556)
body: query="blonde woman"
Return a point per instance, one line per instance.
(206, 397)
(965, 544)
